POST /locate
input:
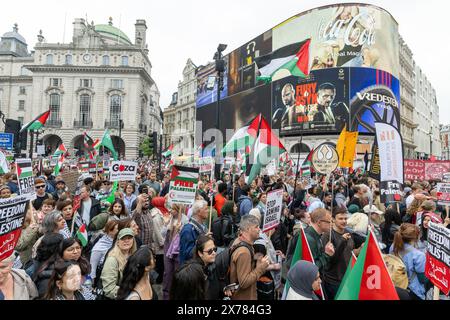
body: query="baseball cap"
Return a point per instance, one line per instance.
(60, 181)
(125, 232)
(368, 209)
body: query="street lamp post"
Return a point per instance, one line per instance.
(220, 68)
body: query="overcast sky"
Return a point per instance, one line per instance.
(179, 30)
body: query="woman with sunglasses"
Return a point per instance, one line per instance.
(205, 255)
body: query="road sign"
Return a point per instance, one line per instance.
(6, 141)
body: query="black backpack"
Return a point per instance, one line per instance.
(219, 228)
(223, 261)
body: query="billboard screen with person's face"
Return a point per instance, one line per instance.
(318, 103)
(374, 97)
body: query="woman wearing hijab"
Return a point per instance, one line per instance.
(304, 279)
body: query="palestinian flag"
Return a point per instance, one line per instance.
(4, 167)
(61, 150)
(267, 147)
(369, 278)
(90, 145)
(82, 235)
(302, 252)
(244, 137)
(36, 123)
(24, 169)
(291, 60)
(59, 165)
(186, 174)
(350, 266)
(168, 152)
(107, 143)
(305, 171)
(111, 198)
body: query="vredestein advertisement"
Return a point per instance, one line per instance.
(390, 147)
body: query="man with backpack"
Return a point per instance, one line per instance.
(245, 203)
(223, 228)
(192, 230)
(244, 271)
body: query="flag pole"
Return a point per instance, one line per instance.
(73, 223)
(298, 165)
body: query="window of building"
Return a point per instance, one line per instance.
(86, 83)
(23, 71)
(85, 109)
(68, 59)
(22, 90)
(49, 59)
(20, 119)
(21, 105)
(55, 106)
(55, 82)
(115, 110)
(105, 60)
(124, 60)
(117, 83)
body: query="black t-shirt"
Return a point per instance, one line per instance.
(37, 203)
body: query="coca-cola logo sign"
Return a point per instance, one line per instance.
(356, 31)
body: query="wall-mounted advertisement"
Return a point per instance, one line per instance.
(242, 69)
(374, 97)
(318, 103)
(344, 35)
(204, 95)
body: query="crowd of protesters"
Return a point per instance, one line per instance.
(213, 249)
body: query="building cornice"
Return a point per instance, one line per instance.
(16, 79)
(90, 69)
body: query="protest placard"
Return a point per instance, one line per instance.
(71, 179)
(123, 171)
(12, 216)
(206, 164)
(183, 185)
(443, 194)
(325, 159)
(25, 178)
(273, 212)
(437, 267)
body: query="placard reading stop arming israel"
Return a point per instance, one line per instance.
(273, 212)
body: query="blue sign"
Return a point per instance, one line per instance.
(6, 141)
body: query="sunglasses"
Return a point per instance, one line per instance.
(210, 251)
(40, 186)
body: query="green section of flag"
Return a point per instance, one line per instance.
(349, 289)
(107, 143)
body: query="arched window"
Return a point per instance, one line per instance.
(115, 110)
(49, 59)
(106, 60)
(124, 60)
(55, 107)
(85, 110)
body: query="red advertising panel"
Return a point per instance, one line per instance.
(437, 267)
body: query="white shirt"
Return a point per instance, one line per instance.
(86, 213)
(409, 200)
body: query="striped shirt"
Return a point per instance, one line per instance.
(145, 222)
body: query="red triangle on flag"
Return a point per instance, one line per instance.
(175, 173)
(19, 171)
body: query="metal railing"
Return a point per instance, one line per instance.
(83, 124)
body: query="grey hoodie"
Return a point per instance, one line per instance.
(301, 277)
(24, 288)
